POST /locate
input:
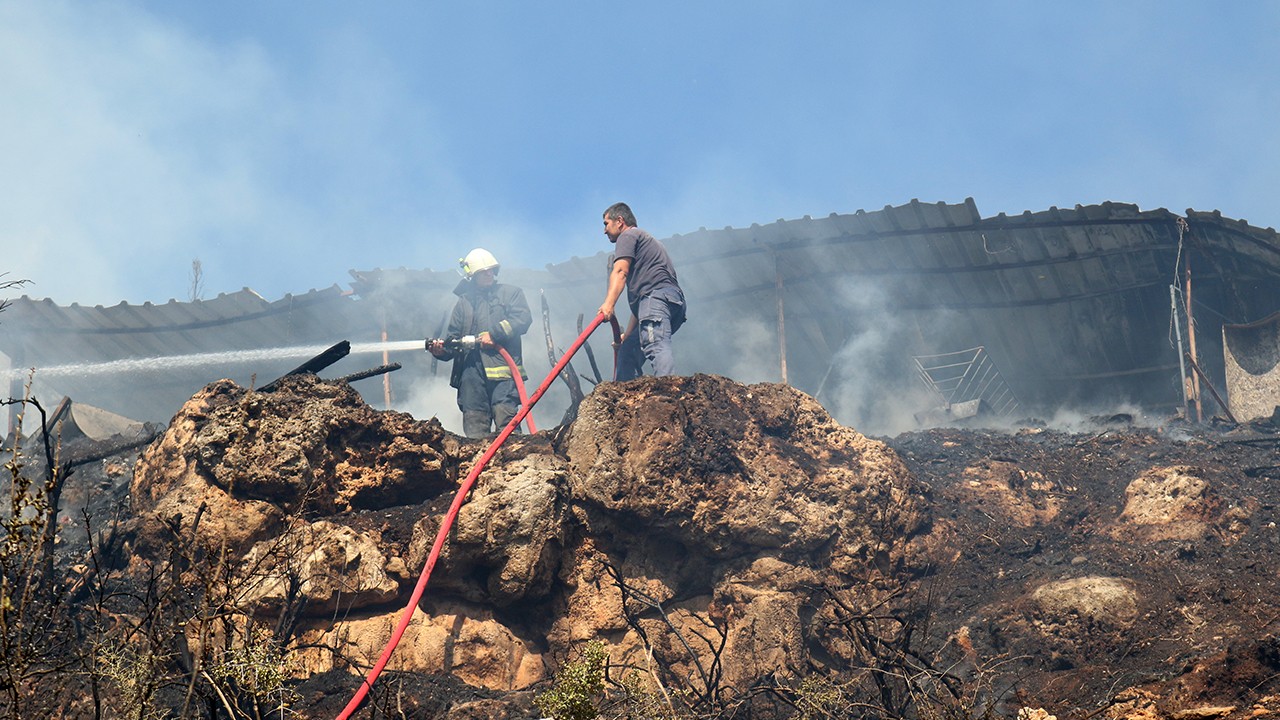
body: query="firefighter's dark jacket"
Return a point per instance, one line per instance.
(499, 310)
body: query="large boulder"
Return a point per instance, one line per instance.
(507, 542)
(729, 470)
(683, 519)
(322, 566)
(736, 508)
(252, 460)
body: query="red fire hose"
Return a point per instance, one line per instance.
(458, 499)
(515, 373)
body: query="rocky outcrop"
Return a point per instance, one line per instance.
(728, 544)
(742, 504)
(675, 509)
(726, 470)
(329, 565)
(247, 463)
(508, 544)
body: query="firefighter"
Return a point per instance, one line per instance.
(496, 315)
(641, 264)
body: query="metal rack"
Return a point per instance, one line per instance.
(967, 378)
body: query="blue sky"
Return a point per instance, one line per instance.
(283, 143)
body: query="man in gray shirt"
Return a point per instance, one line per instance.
(641, 264)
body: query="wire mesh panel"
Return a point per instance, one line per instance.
(967, 376)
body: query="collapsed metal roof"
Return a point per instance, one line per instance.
(1072, 305)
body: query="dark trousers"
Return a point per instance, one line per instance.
(487, 405)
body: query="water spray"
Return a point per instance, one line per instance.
(229, 357)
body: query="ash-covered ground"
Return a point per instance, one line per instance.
(1164, 542)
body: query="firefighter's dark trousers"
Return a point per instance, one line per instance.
(487, 405)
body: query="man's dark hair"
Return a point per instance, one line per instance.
(621, 211)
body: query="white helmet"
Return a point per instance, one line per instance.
(477, 260)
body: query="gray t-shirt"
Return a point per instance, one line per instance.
(651, 267)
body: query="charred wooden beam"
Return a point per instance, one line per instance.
(568, 375)
(59, 413)
(314, 365)
(371, 372)
(1221, 403)
(101, 450)
(591, 356)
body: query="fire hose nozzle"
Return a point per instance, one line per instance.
(453, 343)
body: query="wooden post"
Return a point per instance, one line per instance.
(1191, 344)
(1177, 331)
(17, 388)
(782, 324)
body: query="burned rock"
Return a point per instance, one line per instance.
(505, 547)
(728, 470)
(322, 566)
(726, 536)
(1168, 503)
(310, 448)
